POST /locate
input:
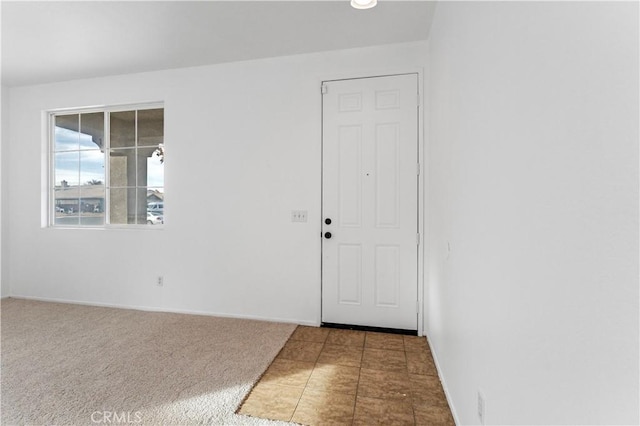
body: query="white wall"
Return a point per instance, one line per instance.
(4, 133)
(533, 184)
(243, 150)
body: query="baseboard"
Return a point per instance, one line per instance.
(166, 310)
(443, 382)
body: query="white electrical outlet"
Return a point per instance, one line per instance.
(160, 281)
(481, 412)
(298, 215)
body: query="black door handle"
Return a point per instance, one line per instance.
(327, 221)
(327, 235)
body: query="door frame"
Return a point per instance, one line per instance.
(422, 178)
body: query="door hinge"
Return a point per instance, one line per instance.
(323, 89)
(418, 239)
(417, 306)
(418, 169)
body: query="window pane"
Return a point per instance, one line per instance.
(91, 167)
(155, 218)
(92, 130)
(155, 206)
(122, 167)
(128, 206)
(67, 169)
(66, 132)
(150, 127)
(150, 168)
(92, 219)
(141, 206)
(66, 204)
(155, 199)
(67, 219)
(122, 206)
(92, 205)
(123, 129)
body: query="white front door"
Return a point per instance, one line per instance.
(370, 202)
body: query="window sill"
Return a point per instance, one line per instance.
(109, 227)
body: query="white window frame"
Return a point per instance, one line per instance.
(51, 203)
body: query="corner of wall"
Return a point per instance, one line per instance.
(4, 236)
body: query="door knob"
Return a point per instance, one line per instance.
(327, 235)
(327, 221)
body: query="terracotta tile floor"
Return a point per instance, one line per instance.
(328, 376)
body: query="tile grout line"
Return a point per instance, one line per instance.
(315, 364)
(355, 400)
(413, 407)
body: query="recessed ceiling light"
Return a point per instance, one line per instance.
(363, 4)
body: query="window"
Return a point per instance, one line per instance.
(107, 167)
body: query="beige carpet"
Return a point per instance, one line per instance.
(69, 364)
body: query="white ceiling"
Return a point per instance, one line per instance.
(51, 41)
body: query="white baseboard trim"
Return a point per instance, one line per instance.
(444, 383)
(166, 310)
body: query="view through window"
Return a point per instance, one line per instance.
(108, 167)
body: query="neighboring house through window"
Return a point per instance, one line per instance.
(107, 167)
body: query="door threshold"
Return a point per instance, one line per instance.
(369, 328)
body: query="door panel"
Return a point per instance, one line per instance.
(387, 190)
(387, 283)
(349, 275)
(350, 175)
(370, 184)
